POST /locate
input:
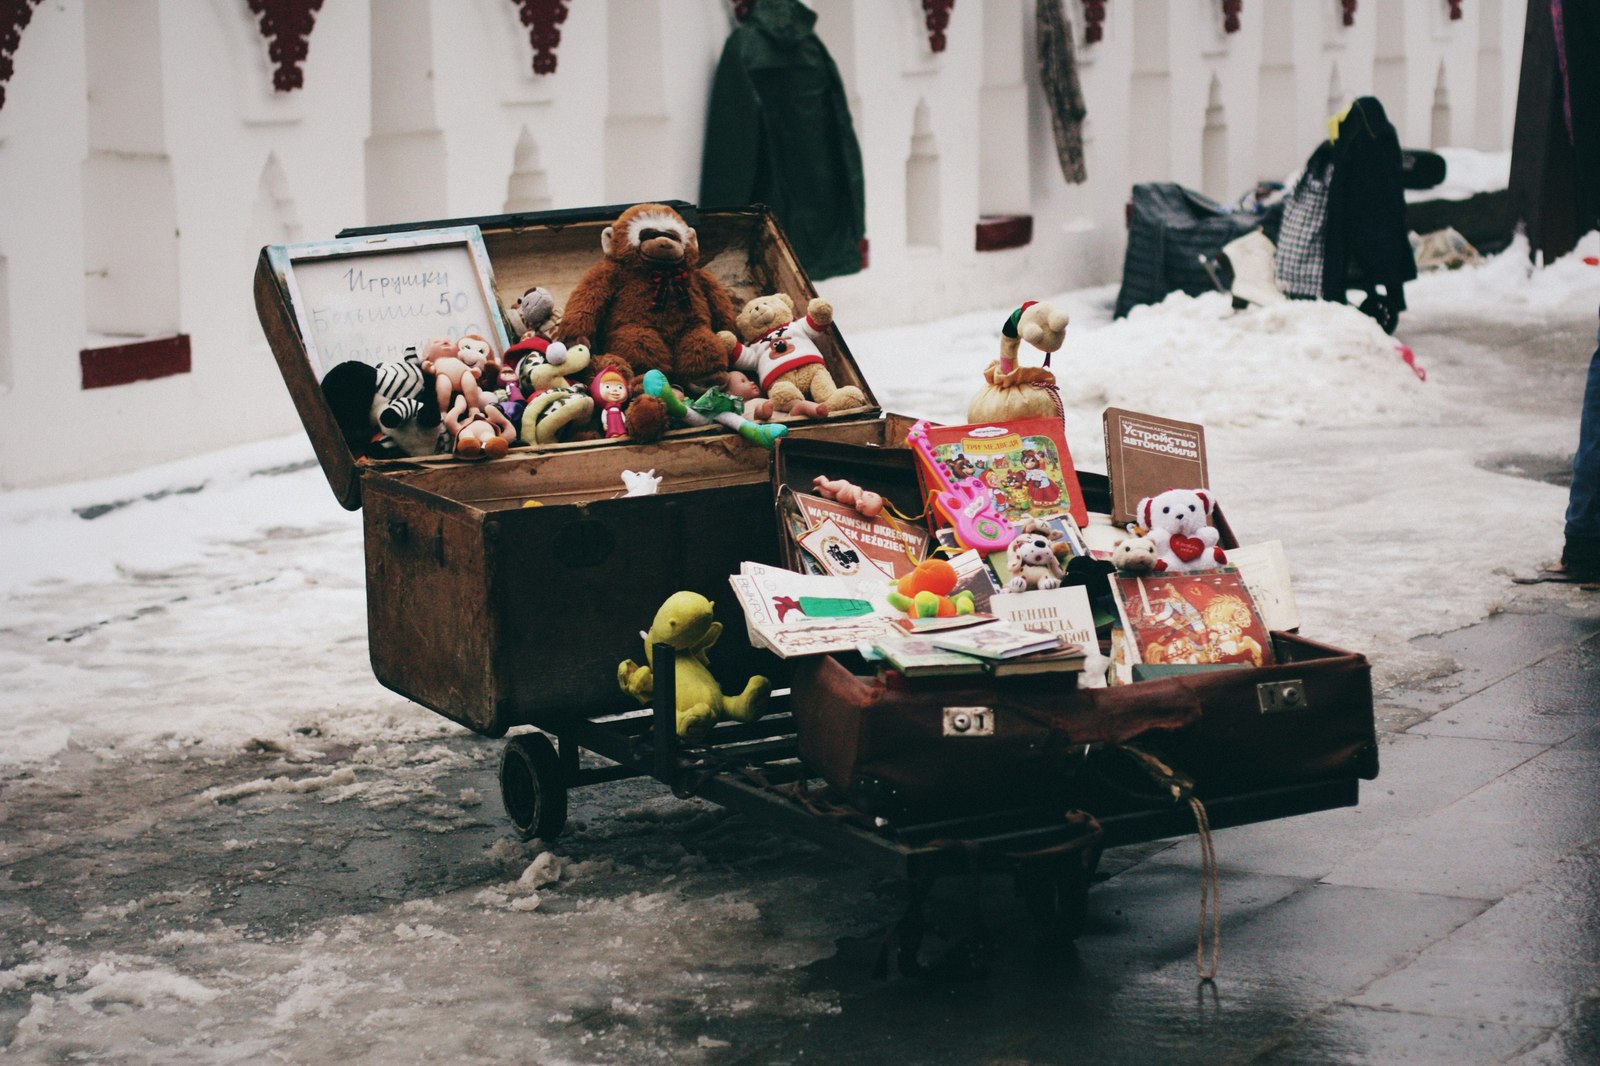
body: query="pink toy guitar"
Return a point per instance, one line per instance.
(967, 505)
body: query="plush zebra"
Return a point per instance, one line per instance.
(400, 407)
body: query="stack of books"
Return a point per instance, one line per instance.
(995, 648)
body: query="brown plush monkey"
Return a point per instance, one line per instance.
(649, 303)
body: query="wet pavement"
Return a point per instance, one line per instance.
(330, 902)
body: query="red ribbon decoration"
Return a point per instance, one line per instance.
(543, 19)
(1094, 17)
(287, 24)
(1230, 15)
(937, 19)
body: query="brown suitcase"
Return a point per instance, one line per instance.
(496, 615)
(896, 752)
(928, 750)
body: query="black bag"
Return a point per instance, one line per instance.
(1169, 229)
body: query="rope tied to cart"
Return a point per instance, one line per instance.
(1182, 789)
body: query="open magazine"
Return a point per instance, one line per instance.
(793, 614)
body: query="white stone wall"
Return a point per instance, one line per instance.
(145, 158)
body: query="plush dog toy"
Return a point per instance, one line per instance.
(781, 352)
(685, 622)
(1179, 525)
(1031, 561)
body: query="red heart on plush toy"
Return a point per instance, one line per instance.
(1187, 548)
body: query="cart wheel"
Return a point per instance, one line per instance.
(531, 788)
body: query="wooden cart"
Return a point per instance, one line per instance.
(498, 615)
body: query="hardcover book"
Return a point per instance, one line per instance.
(1205, 617)
(997, 640)
(1147, 454)
(1067, 660)
(1024, 463)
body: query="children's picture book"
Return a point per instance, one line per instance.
(1064, 611)
(1148, 454)
(1024, 463)
(920, 657)
(996, 640)
(884, 544)
(808, 614)
(1204, 617)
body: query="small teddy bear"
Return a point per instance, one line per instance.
(535, 312)
(1031, 561)
(781, 352)
(1179, 525)
(1135, 555)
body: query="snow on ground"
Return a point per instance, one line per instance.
(220, 599)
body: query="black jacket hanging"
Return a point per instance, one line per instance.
(1366, 224)
(779, 133)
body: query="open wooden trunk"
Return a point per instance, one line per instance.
(496, 614)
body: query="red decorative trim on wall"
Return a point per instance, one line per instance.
(936, 16)
(1455, 9)
(1094, 17)
(1349, 7)
(122, 364)
(998, 232)
(14, 18)
(287, 24)
(1230, 15)
(543, 19)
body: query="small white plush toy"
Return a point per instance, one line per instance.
(1179, 521)
(1136, 555)
(640, 482)
(1032, 564)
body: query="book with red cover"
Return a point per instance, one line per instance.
(1024, 462)
(1202, 617)
(1147, 455)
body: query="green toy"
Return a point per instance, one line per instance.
(761, 433)
(685, 622)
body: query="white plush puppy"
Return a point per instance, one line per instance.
(1032, 563)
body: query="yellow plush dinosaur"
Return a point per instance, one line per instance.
(685, 622)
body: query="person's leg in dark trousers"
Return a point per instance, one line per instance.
(1581, 556)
